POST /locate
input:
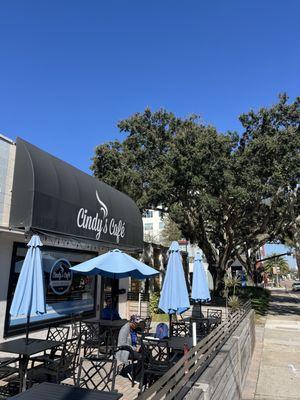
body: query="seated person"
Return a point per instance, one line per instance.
(125, 339)
(109, 312)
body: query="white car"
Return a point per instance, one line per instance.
(296, 286)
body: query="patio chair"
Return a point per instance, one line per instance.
(203, 326)
(133, 357)
(57, 334)
(94, 340)
(76, 327)
(12, 387)
(181, 328)
(97, 373)
(217, 314)
(58, 369)
(156, 360)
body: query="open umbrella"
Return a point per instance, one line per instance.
(174, 296)
(29, 296)
(115, 264)
(200, 290)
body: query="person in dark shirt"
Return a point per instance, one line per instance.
(109, 312)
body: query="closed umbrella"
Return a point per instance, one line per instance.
(29, 296)
(174, 296)
(200, 290)
(115, 264)
(210, 281)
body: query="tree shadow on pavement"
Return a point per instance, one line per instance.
(283, 304)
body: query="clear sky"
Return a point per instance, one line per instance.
(71, 69)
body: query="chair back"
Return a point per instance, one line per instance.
(97, 373)
(75, 328)
(58, 333)
(162, 331)
(217, 314)
(181, 328)
(70, 354)
(203, 327)
(94, 339)
(154, 351)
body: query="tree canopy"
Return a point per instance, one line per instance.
(227, 193)
(276, 262)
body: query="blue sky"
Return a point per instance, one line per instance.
(70, 70)
(281, 249)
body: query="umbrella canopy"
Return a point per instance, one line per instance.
(115, 264)
(29, 296)
(174, 295)
(200, 290)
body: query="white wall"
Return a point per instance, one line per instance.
(7, 159)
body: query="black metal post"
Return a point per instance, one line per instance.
(170, 325)
(27, 328)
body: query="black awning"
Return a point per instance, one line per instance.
(53, 196)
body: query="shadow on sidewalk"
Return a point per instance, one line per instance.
(283, 304)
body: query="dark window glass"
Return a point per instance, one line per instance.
(67, 294)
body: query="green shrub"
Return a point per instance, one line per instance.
(259, 297)
(234, 303)
(153, 305)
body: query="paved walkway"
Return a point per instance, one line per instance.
(275, 369)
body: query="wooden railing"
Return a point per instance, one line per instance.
(180, 378)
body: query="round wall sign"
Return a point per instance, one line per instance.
(60, 276)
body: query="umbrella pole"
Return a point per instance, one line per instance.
(170, 325)
(27, 328)
(200, 308)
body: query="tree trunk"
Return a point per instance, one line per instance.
(298, 262)
(218, 273)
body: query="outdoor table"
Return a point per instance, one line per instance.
(34, 346)
(54, 391)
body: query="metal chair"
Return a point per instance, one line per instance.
(94, 340)
(181, 328)
(57, 334)
(217, 314)
(58, 369)
(203, 326)
(133, 356)
(156, 360)
(97, 373)
(6, 369)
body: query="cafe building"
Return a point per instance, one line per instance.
(77, 218)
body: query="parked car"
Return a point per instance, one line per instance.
(296, 286)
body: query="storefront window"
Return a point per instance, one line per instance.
(67, 294)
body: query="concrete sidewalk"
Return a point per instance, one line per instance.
(275, 369)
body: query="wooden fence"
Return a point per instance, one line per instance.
(180, 378)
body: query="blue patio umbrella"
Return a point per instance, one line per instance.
(200, 290)
(174, 296)
(29, 296)
(115, 264)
